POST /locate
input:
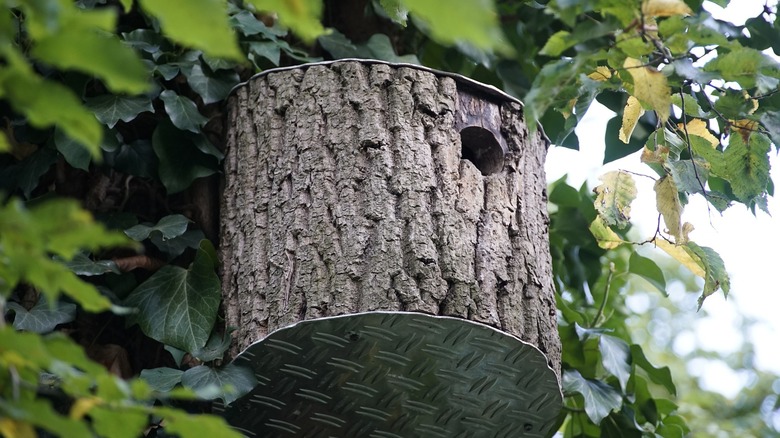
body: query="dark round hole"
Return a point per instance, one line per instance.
(481, 147)
(528, 427)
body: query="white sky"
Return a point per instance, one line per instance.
(749, 245)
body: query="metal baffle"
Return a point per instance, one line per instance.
(395, 375)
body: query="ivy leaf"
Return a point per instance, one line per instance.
(168, 227)
(111, 108)
(189, 28)
(42, 318)
(661, 376)
(647, 269)
(145, 40)
(615, 358)
(265, 49)
(215, 347)
(339, 46)
(211, 87)
(136, 158)
(182, 111)
(233, 381)
(667, 202)
(82, 265)
(74, 152)
(176, 246)
(650, 87)
(181, 158)
(162, 379)
(600, 398)
(614, 197)
(178, 306)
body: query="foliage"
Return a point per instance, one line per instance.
(118, 105)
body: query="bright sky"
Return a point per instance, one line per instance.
(749, 245)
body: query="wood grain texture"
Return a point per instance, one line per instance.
(345, 191)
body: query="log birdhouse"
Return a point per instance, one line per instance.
(384, 237)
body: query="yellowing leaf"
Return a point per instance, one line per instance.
(665, 8)
(10, 428)
(602, 73)
(679, 253)
(605, 236)
(744, 128)
(82, 407)
(698, 127)
(650, 87)
(5, 145)
(668, 204)
(657, 156)
(631, 114)
(614, 197)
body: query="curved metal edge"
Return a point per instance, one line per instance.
(476, 323)
(489, 89)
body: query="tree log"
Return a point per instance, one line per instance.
(363, 186)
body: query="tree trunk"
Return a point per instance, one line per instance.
(362, 186)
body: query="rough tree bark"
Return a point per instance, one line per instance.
(346, 190)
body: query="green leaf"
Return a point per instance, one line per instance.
(215, 347)
(182, 111)
(168, 227)
(178, 306)
(145, 40)
(81, 264)
(661, 376)
(181, 158)
(475, 22)
(40, 413)
(600, 399)
(211, 87)
(741, 66)
(771, 121)
(616, 149)
(265, 49)
(302, 16)
(74, 152)
(557, 44)
(185, 22)
(339, 46)
(604, 235)
(111, 108)
(162, 379)
(26, 174)
(98, 54)
(188, 425)
(42, 318)
(176, 246)
(647, 269)
(615, 358)
(46, 103)
(715, 275)
(395, 10)
(119, 422)
(614, 197)
(233, 381)
(136, 158)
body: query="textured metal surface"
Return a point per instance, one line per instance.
(395, 375)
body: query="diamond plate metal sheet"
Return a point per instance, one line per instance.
(395, 375)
